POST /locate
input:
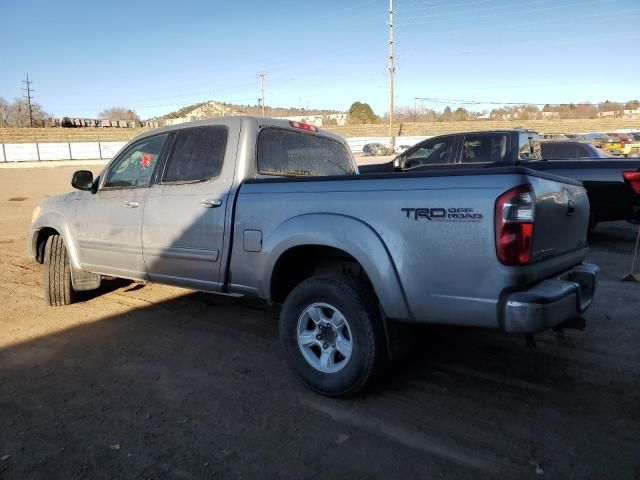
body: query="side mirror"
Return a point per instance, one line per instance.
(398, 162)
(82, 180)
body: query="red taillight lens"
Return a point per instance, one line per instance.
(514, 225)
(634, 180)
(303, 126)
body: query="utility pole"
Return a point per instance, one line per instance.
(261, 76)
(28, 89)
(392, 69)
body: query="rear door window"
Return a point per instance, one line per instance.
(197, 154)
(485, 148)
(438, 151)
(287, 153)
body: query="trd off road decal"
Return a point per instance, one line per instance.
(443, 214)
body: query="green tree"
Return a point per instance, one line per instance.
(361, 113)
(446, 113)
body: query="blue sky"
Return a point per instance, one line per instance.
(157, 56)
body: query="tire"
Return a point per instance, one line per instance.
(58, 289)
(340, 357)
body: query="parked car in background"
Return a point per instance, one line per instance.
(575, 136)
(276, 210)
(625, 145)
(597, 139)
(553, 136)
(375, 149)
(613, 184)
(402, 148)
(563, 150)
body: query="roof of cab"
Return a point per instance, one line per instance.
(260, 121)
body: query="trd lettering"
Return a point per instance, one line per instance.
(428, 213)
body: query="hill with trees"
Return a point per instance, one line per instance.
(212, 108)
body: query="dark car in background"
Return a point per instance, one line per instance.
(375, 149)
(613, 184)
(563, 150)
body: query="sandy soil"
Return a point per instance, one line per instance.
(154, 382)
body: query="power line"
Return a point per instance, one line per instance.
(428, 3)
(458, 101)
(592, 19)
(29, 96)
(449, 6)
(518, 12)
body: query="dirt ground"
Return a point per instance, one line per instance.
(154, 382)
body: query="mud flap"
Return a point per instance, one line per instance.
(83, 281)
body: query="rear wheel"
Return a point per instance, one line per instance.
(332, 335)
(58, 289)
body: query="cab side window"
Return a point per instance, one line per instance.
(485, 148)
(197, 154)
(135, 166)
(432, 152)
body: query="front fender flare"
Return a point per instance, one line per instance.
(350, 235)
(60, 224)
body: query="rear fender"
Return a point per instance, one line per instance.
(350, 235)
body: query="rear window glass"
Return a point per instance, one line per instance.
(289, 153)
(484, 148)
(555, 151)
(197, 154)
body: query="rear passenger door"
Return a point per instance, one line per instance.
(184, 215)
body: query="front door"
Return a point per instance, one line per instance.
(110, 222)
(184, 216)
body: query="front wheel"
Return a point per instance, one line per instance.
(58, 289)
(332, 335)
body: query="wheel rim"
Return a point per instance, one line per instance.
(324, 337)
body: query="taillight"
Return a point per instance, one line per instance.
(634, 180)
(303, 126)
(514, 225)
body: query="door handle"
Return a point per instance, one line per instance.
(130, 204)
(210, 203)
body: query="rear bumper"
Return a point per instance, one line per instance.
(551, 302)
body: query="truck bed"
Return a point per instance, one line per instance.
(420, 250)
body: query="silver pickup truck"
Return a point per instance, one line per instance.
(277, 210)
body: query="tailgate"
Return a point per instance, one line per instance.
(561, 218)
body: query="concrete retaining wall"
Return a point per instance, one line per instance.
(32, 152)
